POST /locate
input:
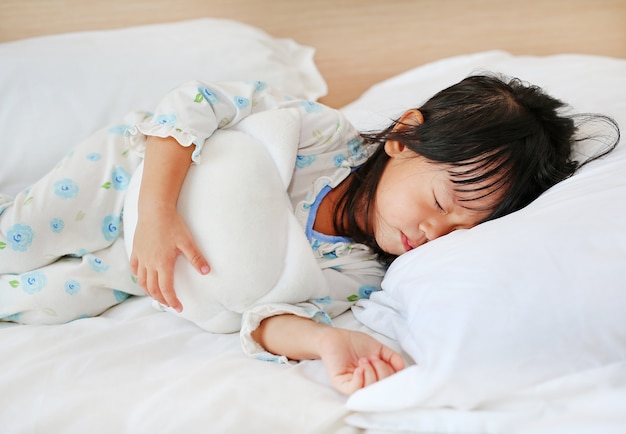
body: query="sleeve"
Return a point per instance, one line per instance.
(349, 281)
(192, 112)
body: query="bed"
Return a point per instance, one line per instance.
(515, 326)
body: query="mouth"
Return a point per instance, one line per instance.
(406, 243)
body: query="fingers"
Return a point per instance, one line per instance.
(166, 288)
(197, 260)
(394, 359)
(373, 369)
(369, 371)
(159, 286)
(158, 283)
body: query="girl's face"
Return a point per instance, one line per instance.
(416, 202)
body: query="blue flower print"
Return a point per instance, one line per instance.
(65, 188)
(94, 156)
(82, 316)
(12, 318)
(120, 296)
(122, 130)
(311, 107)
(209, 96)
(259, 85)
(323, 300)
(111, 227)
(96, 264)
(120, 178)
(366, 290)
(241, 102)
(267, 357)
(356, 149)
(79, 254)
(339, 159)
(57, 225)
(72, 287)
(330, 255)
(316, 244)
(305, 160)
(5, 202)
(168, 119)
(33, 282)
(20, 237)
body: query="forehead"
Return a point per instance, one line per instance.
(475, 193)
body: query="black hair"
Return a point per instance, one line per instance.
(497, 136)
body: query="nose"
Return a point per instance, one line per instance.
(435, 228)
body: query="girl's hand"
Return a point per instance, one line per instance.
(160, 236)
(354, 360)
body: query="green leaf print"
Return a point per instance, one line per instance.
(14, 283)
(125, 153)
(106, 185)
(3, 245)
(50, 311)
(79, 216)
(353, 297)
(198, 98)
(28, 200)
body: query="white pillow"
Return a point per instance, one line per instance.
(57, 90)
(488, 313)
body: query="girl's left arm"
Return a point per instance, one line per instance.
(352, 359)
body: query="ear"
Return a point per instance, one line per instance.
(408, 119)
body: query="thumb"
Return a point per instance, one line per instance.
(195, 257)
(394, 359)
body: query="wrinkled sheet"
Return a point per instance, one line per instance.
(137, 370)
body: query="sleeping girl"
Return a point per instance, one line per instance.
(242, 209)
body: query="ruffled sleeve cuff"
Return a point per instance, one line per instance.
(138, 134)
(253, 317)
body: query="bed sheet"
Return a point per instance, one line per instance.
(136, 370)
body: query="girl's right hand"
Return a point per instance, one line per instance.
(161, 235)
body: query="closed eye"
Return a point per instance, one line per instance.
(438, 205)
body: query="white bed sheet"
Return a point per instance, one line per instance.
(136, 370)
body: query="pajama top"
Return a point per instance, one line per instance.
(329, 149)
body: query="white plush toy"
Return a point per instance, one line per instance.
(236, 205)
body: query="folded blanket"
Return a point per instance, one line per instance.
(237, 207)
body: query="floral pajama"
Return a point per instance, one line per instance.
(62, 256)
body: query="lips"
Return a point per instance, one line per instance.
(411, 244)
(406, 243)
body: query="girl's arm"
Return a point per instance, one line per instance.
(352, 359)
(161, 234)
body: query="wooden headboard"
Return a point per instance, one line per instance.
(359, 42)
